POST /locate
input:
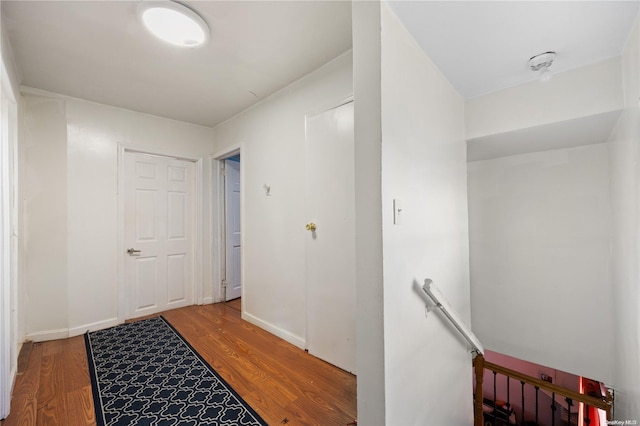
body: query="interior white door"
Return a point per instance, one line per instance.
(232, 219)
(159, 223)
(330, 200)
(8, 246)
(5, 265)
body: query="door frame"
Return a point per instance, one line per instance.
(230, 167)
(218, 222)
(198, 264)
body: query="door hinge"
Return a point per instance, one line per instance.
(224, 284)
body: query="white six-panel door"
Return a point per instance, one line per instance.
(331, 270)
(159, 226)
(232, 217)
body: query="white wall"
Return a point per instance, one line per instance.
(45, 215)
(368, 189)
(71, 212)
(271, 136)
(625, 204)
(590, 90)
(540, 230)
(427, 362)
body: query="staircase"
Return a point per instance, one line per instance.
(540, 404)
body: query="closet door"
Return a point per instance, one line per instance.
(330, 202)
(159, 222)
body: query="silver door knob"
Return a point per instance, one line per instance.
(132, 251)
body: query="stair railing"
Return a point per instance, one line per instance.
(441, 302)
(480, 364)
(572, 397)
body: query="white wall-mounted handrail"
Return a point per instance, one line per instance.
(441, 302)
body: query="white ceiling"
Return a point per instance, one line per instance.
(97, 50)
(484, 46)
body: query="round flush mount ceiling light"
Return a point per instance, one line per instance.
(174, 23)
(541, 63)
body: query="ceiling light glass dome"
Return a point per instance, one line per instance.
(174, 23)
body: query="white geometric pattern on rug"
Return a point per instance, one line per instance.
(145, 373)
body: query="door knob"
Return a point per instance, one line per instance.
(311, 227)
(132, 251)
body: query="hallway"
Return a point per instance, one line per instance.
(281, 382)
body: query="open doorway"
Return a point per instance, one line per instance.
(232, 281)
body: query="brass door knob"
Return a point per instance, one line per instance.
(311, 227)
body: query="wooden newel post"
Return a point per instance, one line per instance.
(609, 400)
(478, 363)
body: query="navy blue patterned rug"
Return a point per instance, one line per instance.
(145, 373)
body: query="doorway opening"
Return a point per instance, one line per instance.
(232, 281)
(227, 224)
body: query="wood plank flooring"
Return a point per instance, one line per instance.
(284, 384)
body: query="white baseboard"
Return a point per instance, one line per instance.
(77, 331)
(43, 336)
(207, 300)
(283, 334)
(63, 333)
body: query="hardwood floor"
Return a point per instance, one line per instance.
(235, 304)
(284, 384)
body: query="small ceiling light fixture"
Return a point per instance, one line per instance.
(174, 23)
(541, 63)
